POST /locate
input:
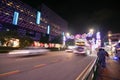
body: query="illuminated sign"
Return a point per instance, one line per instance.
(38, 17)
(15, 18)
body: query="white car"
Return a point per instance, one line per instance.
(82, 50)
(28, 51)
(70, 49)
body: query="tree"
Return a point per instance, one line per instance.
(57, 39)
(25, 41)
(70, 42)
(44, 38)
(7, 35)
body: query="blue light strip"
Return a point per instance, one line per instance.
(48, 29)
(15, 18)
(63, 33)
(38, 17)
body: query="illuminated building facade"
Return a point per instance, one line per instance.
(28, 21)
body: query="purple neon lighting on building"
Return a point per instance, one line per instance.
(98, 35)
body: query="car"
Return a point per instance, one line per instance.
(28, 51)
(70, 49)
(84, 50)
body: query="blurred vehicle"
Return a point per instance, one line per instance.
(28, 51)
(82, 50)
(82, 47)
(70, 49)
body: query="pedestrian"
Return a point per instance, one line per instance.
(102, 54)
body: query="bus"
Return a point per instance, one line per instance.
(82, 47)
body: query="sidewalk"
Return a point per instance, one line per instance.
(111, 72)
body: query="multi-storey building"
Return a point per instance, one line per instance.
(28, 21)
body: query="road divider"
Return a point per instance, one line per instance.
(88, 72)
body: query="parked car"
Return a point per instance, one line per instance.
(28, 51)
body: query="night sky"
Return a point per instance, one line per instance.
(81, 15)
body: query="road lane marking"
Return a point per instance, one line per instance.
(39, 65)
(21, 59)
(54, 61)
(9, 73)
(82, 73)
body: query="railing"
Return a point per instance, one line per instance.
(89, 72)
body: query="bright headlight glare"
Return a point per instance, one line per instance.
(19, 52)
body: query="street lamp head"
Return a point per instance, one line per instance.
(109, 35)
(67, 34)
(91, 30)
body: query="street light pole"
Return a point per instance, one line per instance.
(110, 41)
(109, 37)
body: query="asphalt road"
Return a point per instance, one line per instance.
(58, 65)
